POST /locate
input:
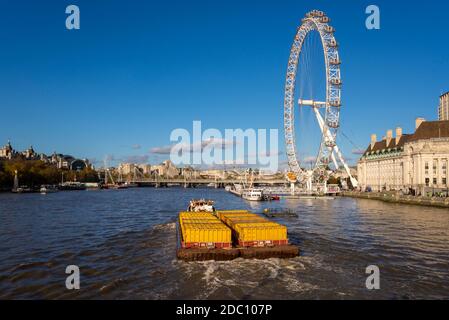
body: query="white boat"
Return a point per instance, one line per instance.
(48, 189)
(253, 194)
(201, 205)
(92, 185)
(21, 190)
(131, 184)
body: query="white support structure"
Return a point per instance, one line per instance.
(335, 149)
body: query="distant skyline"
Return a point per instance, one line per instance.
(136, 70)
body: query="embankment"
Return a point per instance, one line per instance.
(394, 197)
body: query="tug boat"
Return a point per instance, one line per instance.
(201, 205)
(205, 233)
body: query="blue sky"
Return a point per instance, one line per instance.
(136, 70)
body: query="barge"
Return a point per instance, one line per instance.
(230, 234)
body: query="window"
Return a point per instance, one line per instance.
(427, 182)
(444, 181)
(434, 181)
(444, 167)
(435, 163)
(426, 167)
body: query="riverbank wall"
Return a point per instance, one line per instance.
(395, 197)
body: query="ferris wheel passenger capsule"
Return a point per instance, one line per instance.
(336, 82)
(335, 62)
(324, 19)
(335, 103)
(333, 43)
(329, 29)
(333, 124)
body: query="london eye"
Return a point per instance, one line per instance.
(326, 109)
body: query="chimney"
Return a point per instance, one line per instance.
(373, 140)
(389, 137)
(418, 122)
(398, 135)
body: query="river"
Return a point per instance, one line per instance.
(124, 242)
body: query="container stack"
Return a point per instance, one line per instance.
(203, 230)
(251, 230)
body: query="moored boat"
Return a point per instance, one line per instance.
(92, 185)
(72, 186)
(114, 186)
(253, 194)
(131, 184)
(21, 189)
(269, 197)
(47, 188)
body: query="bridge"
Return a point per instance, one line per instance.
(160, 182)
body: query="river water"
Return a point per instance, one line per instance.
(124, 242)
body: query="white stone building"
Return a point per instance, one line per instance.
(7, 152)
(410, 162)
(126, 168)
(144, 168)
(166, 169)
(131, 168)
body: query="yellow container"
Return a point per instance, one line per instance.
(234, 225)
(236, 215)
(234, 221)
(203, 227)
(229, 213)
(261, 233)
(232, 211)
(242, 217)
(248, 226)
(193, 220)
(204, 215)
(200, 219)
(206, 233)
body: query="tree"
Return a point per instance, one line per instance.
(34, 173)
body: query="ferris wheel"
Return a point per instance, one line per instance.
(327, 112)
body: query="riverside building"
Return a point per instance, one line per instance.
(415, 163)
